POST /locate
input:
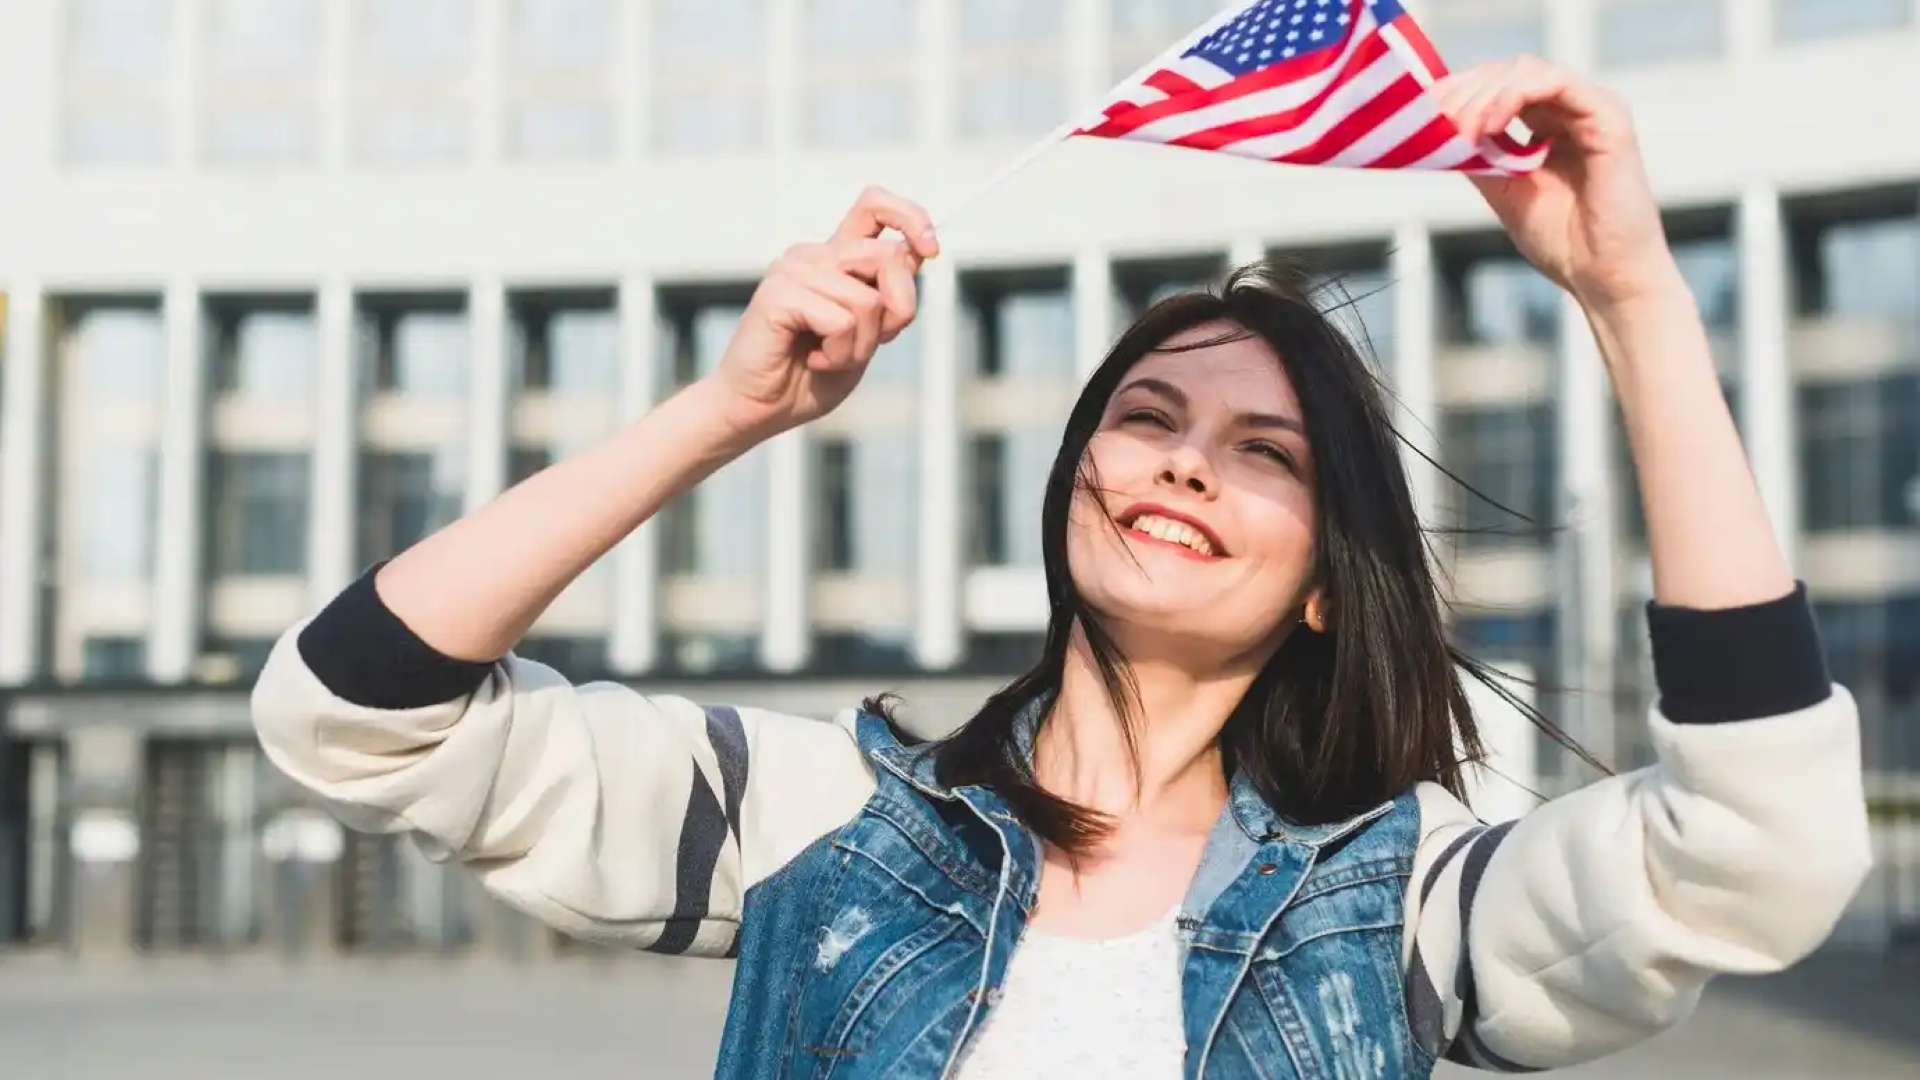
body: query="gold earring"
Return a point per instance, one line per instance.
(1312, 617)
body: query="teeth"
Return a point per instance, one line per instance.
(1175, 532)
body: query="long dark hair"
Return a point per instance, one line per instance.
(1336, 722)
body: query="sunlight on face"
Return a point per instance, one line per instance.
(1203, 459)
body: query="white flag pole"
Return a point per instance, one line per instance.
(1005, 173)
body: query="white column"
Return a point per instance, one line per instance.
(1766, 392)
(331, 533)
(938, 640)
(1093, 304)
(23, 496)
(1246, 250)
(1089, 44)
(173, 638)
(785, 637)
(487, 404)
(631, 59)
(183, 97)
(937, 90)
(1586, 547)
(1415, 362)
(786, 44)
(336, 85)
(1571, 34)
(634, 644)
(1749, 30)
(489, 81)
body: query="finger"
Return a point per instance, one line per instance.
(859, 299)
(878, 209)
(899, 293)
(806, 314)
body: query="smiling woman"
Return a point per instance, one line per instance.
(1219, 829)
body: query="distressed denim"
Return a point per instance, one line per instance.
(877, 952)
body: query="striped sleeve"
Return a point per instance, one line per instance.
(610, 815)
(1596, 921)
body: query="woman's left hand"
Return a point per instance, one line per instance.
(1587, 219)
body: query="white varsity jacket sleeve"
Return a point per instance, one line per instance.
(609, 815)
(1595, 921)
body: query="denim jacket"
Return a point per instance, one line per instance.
(876, 952)
(873, 912)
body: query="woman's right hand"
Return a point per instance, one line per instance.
(820, 313)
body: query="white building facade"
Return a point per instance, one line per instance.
(290, 283)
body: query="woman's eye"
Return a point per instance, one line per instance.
(1267, 449)
(1148, 416)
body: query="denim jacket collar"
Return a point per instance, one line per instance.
(1256, 818)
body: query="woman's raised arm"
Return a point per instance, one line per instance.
(1597, 920)
(609, 814)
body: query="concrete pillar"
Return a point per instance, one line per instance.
(1089, 44)
(1585, 550)
(184, 62)
(335, 111)
(1414, 365)
(332, 538)
(634, 645)
(785, 74)
(173, 639)
(1093, 308)
(24, 392)
(1766, 371)
(488, 113)
(487, 397)
(784, 641)
(939, 641)
(937, 93)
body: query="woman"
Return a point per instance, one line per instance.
(1216, 831)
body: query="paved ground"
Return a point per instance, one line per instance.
(1834, 1019)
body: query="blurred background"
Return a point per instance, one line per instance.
(288, 284)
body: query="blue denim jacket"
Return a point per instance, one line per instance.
(876, 952)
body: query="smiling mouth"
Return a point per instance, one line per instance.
(1172, 533)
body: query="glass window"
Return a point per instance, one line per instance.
(262, 80)
(1870, 269)
(1510, 457)
(118, 502)
(1860, 453)
(403, 34)
(1469, 32)
(265, 354)
(868, 504)
(578, 658)
(1026, 337)
(1507, 302)
(709, 74)
(405, 497)
(1812, 20)
(1659, 31)
(1144, 29)
(1012, 66)
(719, 528)
(568, 348)
(860, 71)
(420, 352)
(121, 354)
(262, 37)
(113, 659)
(115, 59)
(561, 33)
(1360, 302)
(1873, 647)
(258, 506)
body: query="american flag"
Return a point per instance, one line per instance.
(1309, 82)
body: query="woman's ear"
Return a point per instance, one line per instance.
(1315, 615)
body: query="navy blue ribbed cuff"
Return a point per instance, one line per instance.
(363, 654)
(1739, 663)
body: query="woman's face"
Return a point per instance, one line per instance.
(1202, 460)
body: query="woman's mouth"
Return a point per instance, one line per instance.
(1163, 528)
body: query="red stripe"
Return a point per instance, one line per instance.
(1172, 83)
(1280, 74)
(1476, 163)
(1274, 123)
(1417, 38)
(1358, 124)
(1424, 142)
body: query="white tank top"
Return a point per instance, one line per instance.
(1074, 1009)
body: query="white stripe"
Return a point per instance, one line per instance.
(1400, 127)
(1450, 154)
(1202, 71)
(1401, 47)
(1247, 107)
(1355, 94)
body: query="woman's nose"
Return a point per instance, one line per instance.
(1188, 468)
